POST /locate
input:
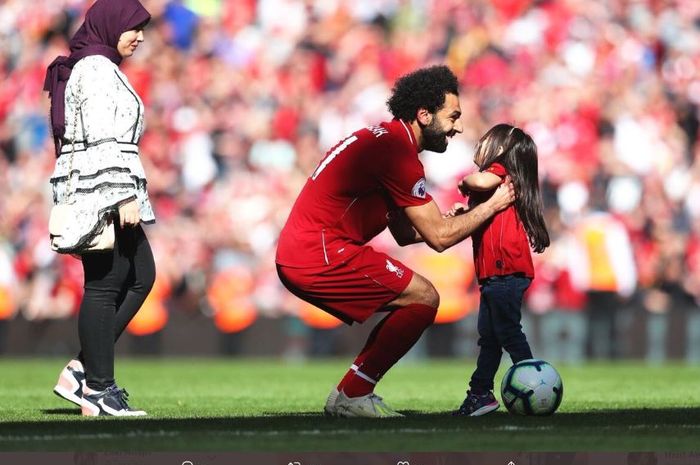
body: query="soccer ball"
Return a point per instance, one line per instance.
(532, 387)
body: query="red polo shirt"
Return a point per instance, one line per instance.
(501, 246)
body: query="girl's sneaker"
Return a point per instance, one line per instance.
(476, 405)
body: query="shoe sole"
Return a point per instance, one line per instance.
(346, 412)
(63, 393)
(91, 410)
(484, 410)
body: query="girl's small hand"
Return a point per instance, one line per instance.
(462, 187)
(457, 209)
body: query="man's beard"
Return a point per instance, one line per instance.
(434, 138)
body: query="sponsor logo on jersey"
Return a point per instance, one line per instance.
(394, 269)
(419, 189)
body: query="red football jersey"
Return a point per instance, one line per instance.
(345, 202)
(501, 246)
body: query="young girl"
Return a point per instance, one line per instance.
(502, 254)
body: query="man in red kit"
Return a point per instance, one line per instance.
(368, 181)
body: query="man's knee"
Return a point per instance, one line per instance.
(425, 293)
(419, 291)
(432, 298)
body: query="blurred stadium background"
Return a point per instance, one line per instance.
(243, 97)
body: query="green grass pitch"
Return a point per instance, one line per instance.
(267, 406)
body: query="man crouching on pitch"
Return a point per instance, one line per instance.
(368, 181)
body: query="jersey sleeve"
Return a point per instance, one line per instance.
(402, 175)
(497, 169)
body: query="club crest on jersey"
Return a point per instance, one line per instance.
(419, 189)
(394, 269)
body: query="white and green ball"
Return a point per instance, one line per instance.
(532, 387)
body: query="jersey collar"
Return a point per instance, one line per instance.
(409, 133)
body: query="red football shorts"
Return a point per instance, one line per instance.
(352, 290)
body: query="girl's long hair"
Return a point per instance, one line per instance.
(517, 152)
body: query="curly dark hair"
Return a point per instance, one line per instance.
(423, 88)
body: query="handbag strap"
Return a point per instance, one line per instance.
(69, 191)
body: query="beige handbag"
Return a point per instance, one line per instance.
(62, 215)
(102, 239)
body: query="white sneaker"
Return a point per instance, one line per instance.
(110, 402)
(329, 409)
(369, 406)
(71, 382)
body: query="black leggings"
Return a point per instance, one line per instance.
(116, 285)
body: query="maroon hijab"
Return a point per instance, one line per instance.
(105, 22)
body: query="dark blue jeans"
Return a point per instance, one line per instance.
(499, 327)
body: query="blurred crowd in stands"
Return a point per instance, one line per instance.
(243, 97)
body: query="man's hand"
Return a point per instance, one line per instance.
(129, 214)
(503, 197)
(441, 232)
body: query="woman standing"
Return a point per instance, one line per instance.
(97, 120)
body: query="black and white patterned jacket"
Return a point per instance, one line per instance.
(104, 122)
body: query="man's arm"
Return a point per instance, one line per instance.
(441, 233)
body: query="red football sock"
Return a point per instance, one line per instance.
(359, 360)
(359, 385)
(389, 341)
(348, 376)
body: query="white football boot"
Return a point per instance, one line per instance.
(368, 406)
(329, 409)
